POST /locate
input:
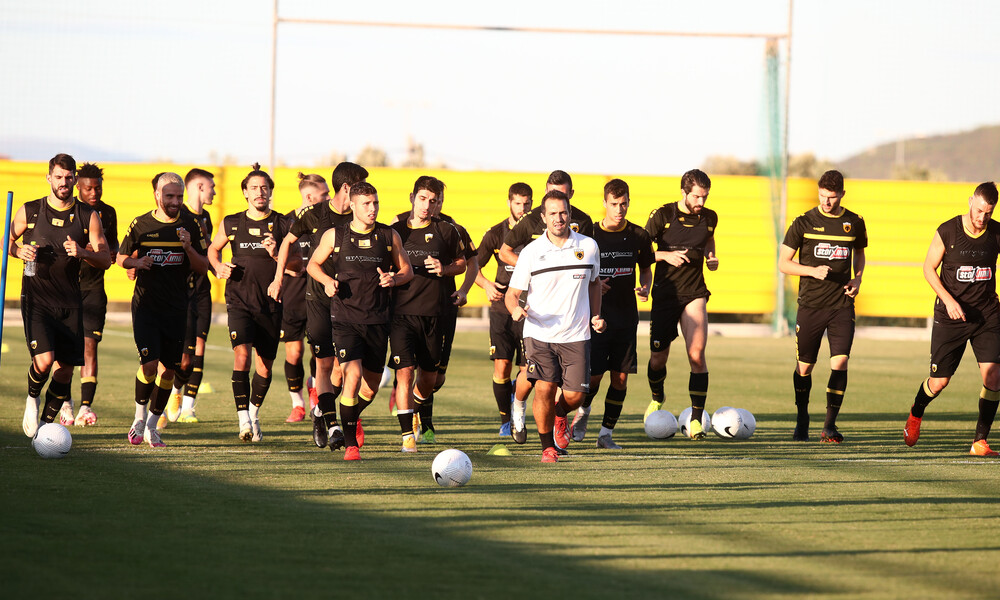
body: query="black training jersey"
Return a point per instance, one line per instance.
(823, 239)
(293, 289)
(968, 269)
(198, 283)
(312, 224)
(621, 251)
(490, 246)
(356, 259)
(531, 225)
(470, 250)
(92, 278)
(246, 288)
(671, 229)
(162, 287)
(56, 282)
(424, 294)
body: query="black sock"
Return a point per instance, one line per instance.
(194, 381)
(835, 389)
(548, 440)
(161, 394)
(294, 374)
(501, 393)
(363, 403)
(613, 402)
(425, 408)
(349, 418)
(336, 391)
(988, 401)
(36, 381)
(656, 379)
(54, 397)
(328, 407)
(802, 384)
(588, 400)
(88, 389)
(143, 389)
(921, 400)
(258, 388)
(181, 376)
(405, 421)
(241, 389)
(312, 368)
(698, 390)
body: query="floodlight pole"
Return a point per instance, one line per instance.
(274, 83)
(780, 326)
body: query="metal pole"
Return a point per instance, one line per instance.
(274, 82)
(3, 266)
(781, 328)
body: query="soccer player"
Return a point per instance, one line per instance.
(59, 233)
(363, 255)
(254, 317)
(435, 251)
(313, 224)
(965, 248)
(163, 246)
(559, 271)
(200, 187)
(90, 189)
(684, 233)
(314, 190)
(830, 241)
(505, 333)
(623, 245)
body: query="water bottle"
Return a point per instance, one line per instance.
(30, 266)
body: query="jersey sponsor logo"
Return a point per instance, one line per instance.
(627, 254)
(973, 274)
(579, 276)
(831, 251)
(819, 228)
(251, 246)
(154, 234)
(166, 258)
(508, 268)
(847, 227)
(578, 254)
(616, 272)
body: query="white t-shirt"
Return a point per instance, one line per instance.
(557, 281)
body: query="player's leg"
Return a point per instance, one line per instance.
(404, 337)
(39, 337)
(65, 336)
(989, 399)
(267, 329)
(601, 345)
(375, 339)
(840, 336)
(241, 386)
(809, 327)
(185, 368)
(694, 327)
(662, 331)
(162, 387)
(88, 382)
(294, 376)
(429, 355)
(204, 324)
(574, 367)
(349, 409)
(614, 400)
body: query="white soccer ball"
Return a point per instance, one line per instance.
(685, 419)
(451, 468)
(748, 424)
(660, 425)
(727, 422)
(52, 441)
(386, 377)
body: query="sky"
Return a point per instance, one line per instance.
(190, 81)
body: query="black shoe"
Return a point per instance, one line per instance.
(830, 435)
(561, 451)
(801, 433)
(520, 435)
(320, 437)
(337, 440)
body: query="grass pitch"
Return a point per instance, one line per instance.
(210, 516)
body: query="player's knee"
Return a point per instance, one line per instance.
(658, 360)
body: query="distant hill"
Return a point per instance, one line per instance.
(38, 149)
(964, 156)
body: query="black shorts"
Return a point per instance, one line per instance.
(199, 319)
(415, 341)
(260, 330)
(56, 330)
(567, 365)
(95, 312)
(359, 341)
(663, 322)
(810, 323)
(614, 350)
(318, 328)
(505, 338)
(159, 336)
(293, 320)
(449, 320)
(948, 344)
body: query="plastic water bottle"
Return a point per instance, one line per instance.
(30, 267)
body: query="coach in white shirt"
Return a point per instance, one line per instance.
(559, 270)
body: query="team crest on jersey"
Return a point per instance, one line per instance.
(656, 344)
(232, 335)
(34, 344)
(428, 237)
(270, 226)
(974, 274)
(575, 227)
(847, 227)
(578, 254)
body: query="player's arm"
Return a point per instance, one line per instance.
(404, 271)
(789, 266)
(17, 228)
(935, 254)
(512, 300)
(96, 251)
(645, 282)
(129, 259)
(507, 255)
(595, 293)
(711, 260)
(471, 272)
(515, 237)
(319, 256)
(221, 240)
(274, 290)
(852, 287)
(198, 261)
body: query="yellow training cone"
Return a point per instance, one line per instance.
(499, 450)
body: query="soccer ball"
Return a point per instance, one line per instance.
(52, 441)
(451, 468)
(727, 422)
(660, 425)
(685, 418)
(748, 425)
(386, 377)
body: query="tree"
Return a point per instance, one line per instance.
(729, 165)
(808, 166)
(371, 156)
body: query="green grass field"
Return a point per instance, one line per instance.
(765, 518)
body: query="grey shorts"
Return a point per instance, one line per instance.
(566, 364)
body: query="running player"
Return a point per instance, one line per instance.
(200, 187)
(831, 241)
(163, 246)
(90, 189)
(313, 224)
(314, 190)
(966, 310)
(254, 317)
(559, 272)
(684, 233)
(362, 256)
(59, 233)
(506, 348)
(435, 250)
(623, 245)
